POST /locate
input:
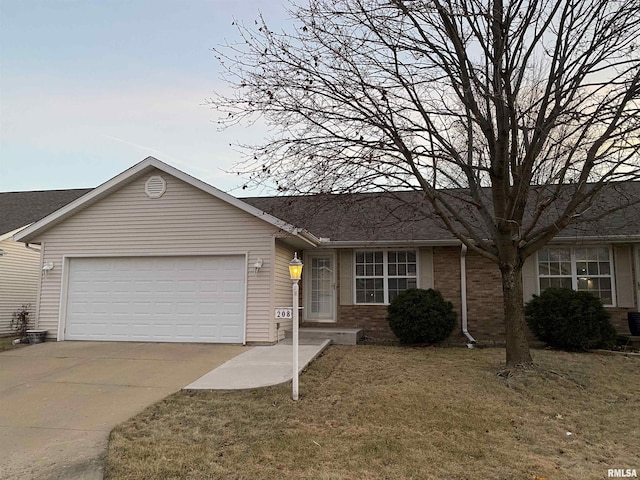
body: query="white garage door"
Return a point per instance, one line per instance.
(156, 299)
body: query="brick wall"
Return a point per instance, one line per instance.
(484, 301)
(619, 319)
(485, 319)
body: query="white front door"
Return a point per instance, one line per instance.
(320, 305)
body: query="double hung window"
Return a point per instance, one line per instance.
(382, 274)
(587, 269)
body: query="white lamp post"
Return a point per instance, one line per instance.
(295, 271)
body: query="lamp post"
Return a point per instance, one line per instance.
(295, 271)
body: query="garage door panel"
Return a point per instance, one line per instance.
(179, 299)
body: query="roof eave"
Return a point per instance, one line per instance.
(11, 234)
(389, 243)
(598, 238)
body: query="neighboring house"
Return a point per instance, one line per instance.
(157, 255)
(19, 266)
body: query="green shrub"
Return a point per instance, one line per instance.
(570, 320)
(421, 316)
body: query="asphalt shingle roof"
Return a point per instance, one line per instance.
(402, 216)
(18, 209)
(398, 216)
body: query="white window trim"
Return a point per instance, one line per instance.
(385, 271)
(574, 271)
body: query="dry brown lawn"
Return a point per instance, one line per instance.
(370, 412)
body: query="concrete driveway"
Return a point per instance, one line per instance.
(60, 400)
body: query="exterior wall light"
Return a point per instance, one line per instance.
(257, 266)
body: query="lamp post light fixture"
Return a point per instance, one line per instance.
(295, 271)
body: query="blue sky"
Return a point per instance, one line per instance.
(88, 88)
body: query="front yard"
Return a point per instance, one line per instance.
(398, 413)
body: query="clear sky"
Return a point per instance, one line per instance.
(88, 88)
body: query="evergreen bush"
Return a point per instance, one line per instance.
(570, 320)
(421, 316)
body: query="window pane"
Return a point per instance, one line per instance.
(565, 268)
(603, 253)
(592, 268)
(411, 269)
(411, 256)
(543, 255)
(379, 271)
(392, 269)
(605, 268)
(359, 257)
(581, 268)
(369, 290)
(359, 270)
(544, 268)
(378, 257)
(560, 254)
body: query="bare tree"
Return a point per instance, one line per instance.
(536, 99)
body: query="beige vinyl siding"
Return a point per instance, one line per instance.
(282, 294)
(19, 276)
(623, 257)
(185, 220)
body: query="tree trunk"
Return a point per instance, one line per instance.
(515, 326)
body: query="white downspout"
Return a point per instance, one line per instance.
(463, 294)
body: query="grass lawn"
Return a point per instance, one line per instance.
(398, 413)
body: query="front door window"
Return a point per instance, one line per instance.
(321, 297)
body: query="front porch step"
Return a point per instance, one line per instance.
(339, 336)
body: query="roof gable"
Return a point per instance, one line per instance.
(147, 165)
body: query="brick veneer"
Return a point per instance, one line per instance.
(619, 318)
(484, 301)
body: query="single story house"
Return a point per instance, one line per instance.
(157, 255)
(19, 266)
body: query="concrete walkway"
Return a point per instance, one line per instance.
(260, 367)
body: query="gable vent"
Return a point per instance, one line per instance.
(155, 186)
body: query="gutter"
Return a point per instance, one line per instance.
(463, 295)
(327, 243)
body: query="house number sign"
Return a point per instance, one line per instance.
(284, 312)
